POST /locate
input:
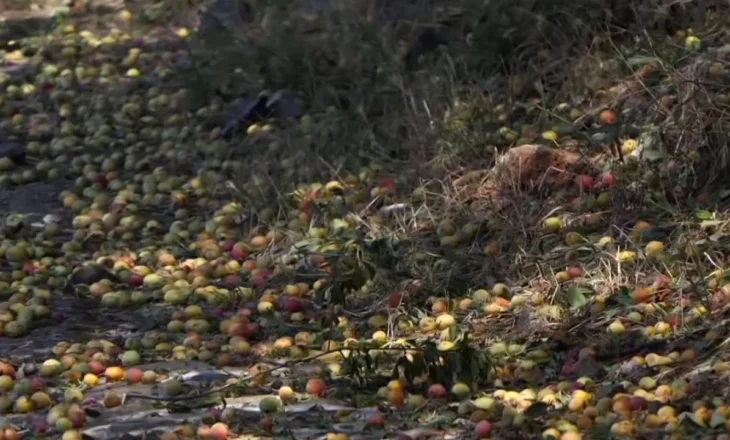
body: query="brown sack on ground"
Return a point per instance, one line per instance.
(540, 167)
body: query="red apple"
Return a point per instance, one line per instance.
(395, 300)
(38, 383)
(575, 272)
(239, 253)
(30, 267)
(638, 403)
(193, 340)
(237, 329)
(134, 375)
(388, 183)
(292, 305)
(219, 431)
(203, 431)
(96, 367)
(135, 280)
(250, 330)
(258, 280)
(608, 180)
(227, 245)
(316, 387)
(584, 182)
(232, 280)
(437, 391)
(77, 416)
(245, 312)
(7, 369)
(483, 429)
(376, 420)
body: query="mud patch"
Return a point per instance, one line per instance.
(35, 200)
(81, 318)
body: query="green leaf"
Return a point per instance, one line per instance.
(577, 297)
(640, 60)
(649, 137)
(703, 214)
(654, 155)
(443, 420)
(302, 244)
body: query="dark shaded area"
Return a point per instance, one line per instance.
(512, 34)
(77, 318)
(14, 151)
(26, 19)
(224, 15)
(35, 199)
(16, 26)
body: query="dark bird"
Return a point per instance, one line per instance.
(282, 104)
(249, 111)
(89, 274)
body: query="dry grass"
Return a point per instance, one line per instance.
(435, 117)
(433, 120)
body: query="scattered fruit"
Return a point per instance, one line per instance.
(692, 42)
(654, 248)
(608, 117)
(316, 387)
(352, 262)
(376, 421)
(437, 391)
(554, 224)
(461, 390)
(617, 328)
(269, 404)
(483, 429)
(584, 182)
